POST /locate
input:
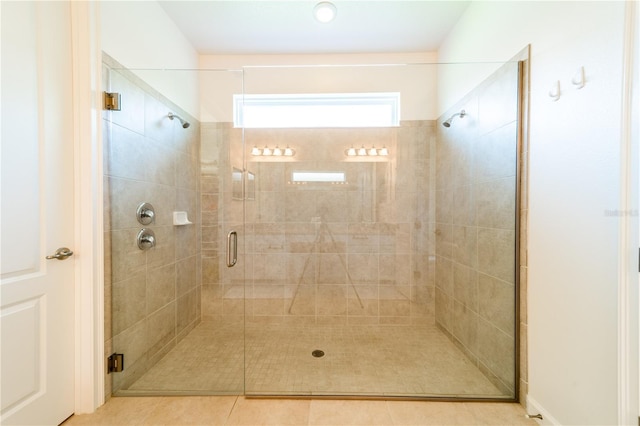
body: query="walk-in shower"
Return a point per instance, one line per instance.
(372, 260)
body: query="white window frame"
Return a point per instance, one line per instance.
(317, 110)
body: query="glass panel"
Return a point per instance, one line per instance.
(476, 252)
(175, 311)
(384, 273)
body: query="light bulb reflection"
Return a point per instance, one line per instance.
(366, 152)
(273, 152)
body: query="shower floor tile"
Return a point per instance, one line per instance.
(358, 360)
(209, 360)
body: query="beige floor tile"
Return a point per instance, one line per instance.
(348, 412)
(499, 414)
(456, 413)
(233, 410)
(192, 410)
(430, 413)
(259, 412)
(118, 412)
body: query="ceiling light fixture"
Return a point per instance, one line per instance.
(325, 12)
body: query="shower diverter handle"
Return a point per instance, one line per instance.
(232, 255)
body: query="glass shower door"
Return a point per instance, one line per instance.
(380, 254)
(338, 290)
(223, 233)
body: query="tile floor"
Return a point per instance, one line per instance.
(211, 359)
(419, 360)
(238, 410)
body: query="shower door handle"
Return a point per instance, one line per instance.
(232, 255)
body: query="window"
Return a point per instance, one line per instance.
(332, 177)
(317, 110)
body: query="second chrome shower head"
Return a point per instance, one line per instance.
(461, 114)
(184, 122)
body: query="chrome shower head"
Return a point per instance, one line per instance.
(184, 122)
(448, 122)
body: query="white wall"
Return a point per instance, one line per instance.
(300, 74)
(574, 185)
(140, 36)
(496, 31)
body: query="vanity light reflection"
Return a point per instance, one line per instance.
(364, 152)
(273, 152)
(290, 152)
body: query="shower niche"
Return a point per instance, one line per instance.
(373, 261)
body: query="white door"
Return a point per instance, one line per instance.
(36, 294)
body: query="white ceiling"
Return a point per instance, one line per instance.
(288, 27)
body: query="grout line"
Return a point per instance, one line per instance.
(386, 405)
(233, 407)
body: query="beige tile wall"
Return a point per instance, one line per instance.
(476, 226)
(152, 298)
(321, 253)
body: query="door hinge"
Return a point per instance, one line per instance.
(112, 101)
(115, 363)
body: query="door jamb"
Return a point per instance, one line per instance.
(88, 207)
(628, 296)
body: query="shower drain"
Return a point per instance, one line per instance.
(318, 353)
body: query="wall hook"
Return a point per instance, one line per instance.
(554, 92)
(578, 79)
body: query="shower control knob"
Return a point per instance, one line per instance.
(146, 239)
(145, 213)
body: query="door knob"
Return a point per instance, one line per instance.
(61, 254)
